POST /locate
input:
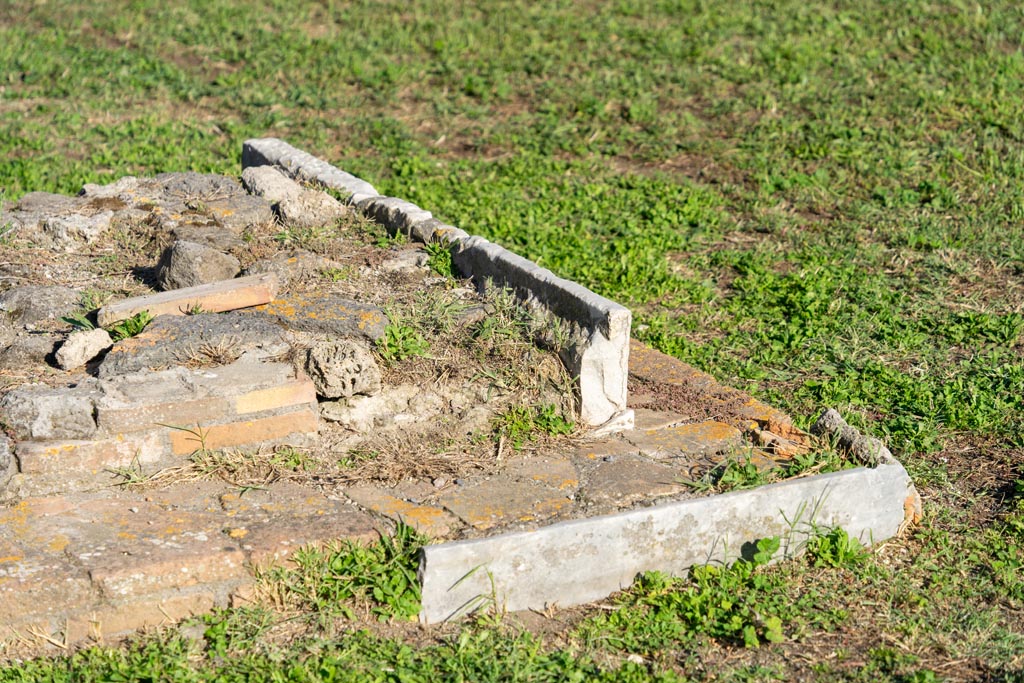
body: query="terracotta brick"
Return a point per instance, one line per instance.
(35, 586)
(290, 394)
(79, 457)
(106, 622)
(227, 295)
(246, 432)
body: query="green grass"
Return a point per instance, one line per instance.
(821, 203)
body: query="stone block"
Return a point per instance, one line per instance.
(503, 500)
(622, 480)
(584, 560)
(688, 440)
(327, 314)
(188, 264)
(74, 458)
(81, 347)
(281, 428)
(216, 297)
(301, 165)
(270, 183)
(36, 411)
(31, 304)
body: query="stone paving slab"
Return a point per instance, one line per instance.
(102, 564)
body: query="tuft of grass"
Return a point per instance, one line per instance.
(522, 424)
(130, 327)
(401, 341)
(439, 259)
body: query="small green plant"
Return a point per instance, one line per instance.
(400, 342)
(736, 473)
(195, 309)
(439, 259)
(521, 424)
(337, 274)
(130, 326)
(332, 580)
(835, 549)
(387, 240)
(82, 319)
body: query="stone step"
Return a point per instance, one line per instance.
(97, 566)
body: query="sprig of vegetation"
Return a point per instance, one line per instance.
(130, 326)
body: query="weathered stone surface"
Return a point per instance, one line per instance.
(575, 562)
(341, 368)
(215, 297)
(206, 199)
(36, 411)
(74, 230)
(31, 304)
(206, 337)
(328, 314)
(504, 500)
(99, 624)
(28, 350)
(366, 413)
(702, 438)
(646, 419)
(427, 519)
(187, 264)
(310, 209)
(81, 347)
(293, 265)
(212, 237)
(866, 449)
(8, 465)
(397, 215)
(622, 480)
(406, 261)
(555, 471)
(122, 188)
(270, 183)
(304, 166)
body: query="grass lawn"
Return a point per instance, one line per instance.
(819, 202)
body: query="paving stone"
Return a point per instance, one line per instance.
(109, 622)
(36, 586)
(555, 471)
(702, 438)
(502, 500)
(31, 304)
(427, 519)
(294, 426)
(341, 368)
(173, 340)
(645, 419)
(275, 542)
(580, 561)
(188, 264)
(81, 347)
(216, 297)
(328, 314)
(36, 411)
(623, 480)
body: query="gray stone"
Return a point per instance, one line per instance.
(206, 338)
(328, 314)
(397, 215)
(31, 304)
(406, 261)
(81, 347)
(35, 411)
(310, 209)
(302, 165)
(123, 189)
(48, 203)
(342, 368)
(213, 237)
(865, 449)
(209, 199)
(27, 350)
(270, 183)
(74, 230)
(364, 414)
(187, 264)
(290, 266)
(8, 464)
(576, 562)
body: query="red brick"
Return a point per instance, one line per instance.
(248, 432)
(215, 297)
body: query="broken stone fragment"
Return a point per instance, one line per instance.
(270, 183)
(31, 304)
(81, 347)
(27, 350)
(75, 230)
(290, 266)
(865, 449)
(342, 368)
(36, 411)
(187, 264)
(328, 314)
(207, 199)
(366, 413)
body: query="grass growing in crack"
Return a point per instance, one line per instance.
(401, 341)
(130, 327)
(522, 424)
(337, 579)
